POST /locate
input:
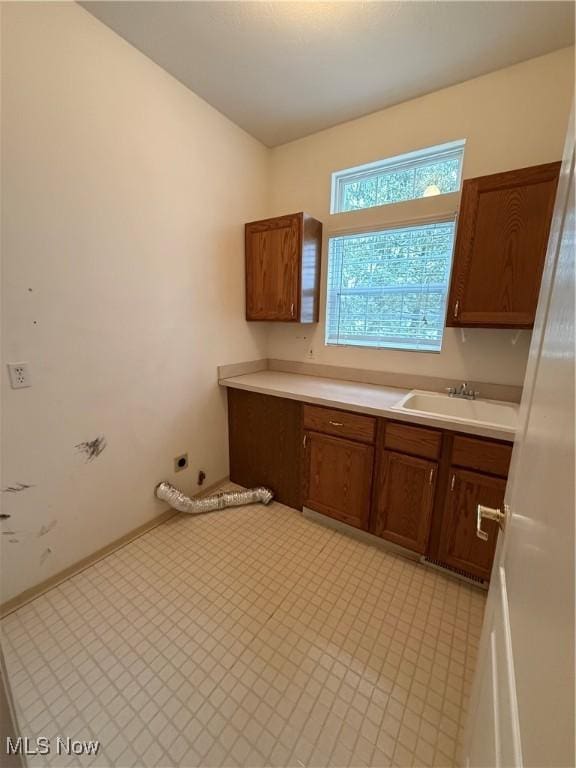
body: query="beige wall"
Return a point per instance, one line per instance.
(124, 198)
(511, 118)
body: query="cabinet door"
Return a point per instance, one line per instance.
(273, 249)
(338, 479)
(503, 229)
(403, 499)
(459, 544)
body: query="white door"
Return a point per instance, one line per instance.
(522, 703)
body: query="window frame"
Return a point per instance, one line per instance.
(407, 213)
(406, 161)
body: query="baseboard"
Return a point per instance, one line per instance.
(456, 573)
(356, 533)
(72, 570)
(388, 546)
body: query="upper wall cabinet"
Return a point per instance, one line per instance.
(283, 269)
(503, 229)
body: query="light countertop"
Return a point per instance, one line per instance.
(354, 396)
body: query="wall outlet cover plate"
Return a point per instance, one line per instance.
(19, 375)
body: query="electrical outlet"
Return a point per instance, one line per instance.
(19, 375)
(181, 462)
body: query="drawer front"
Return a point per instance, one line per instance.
(482, 455)
(416, 441)
(330, 421)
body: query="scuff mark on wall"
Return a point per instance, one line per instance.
(92, 448)
(14, 541)
(17, 488)
(45, 555)
(8, 533)
(47, 528)
(5, 516)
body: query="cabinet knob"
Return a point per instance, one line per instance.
(488, 513)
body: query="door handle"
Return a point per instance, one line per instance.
(457, 308)
(488, 513)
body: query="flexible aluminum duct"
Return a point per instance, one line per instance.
(177, 500)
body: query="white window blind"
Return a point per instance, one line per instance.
(388, 288)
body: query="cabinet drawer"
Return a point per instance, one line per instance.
(342, 423)
(482, 455)
(417, 441)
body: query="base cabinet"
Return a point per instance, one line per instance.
(415, 486)
(265, 444)
(403, 499)
(460, 546)
(338, 478)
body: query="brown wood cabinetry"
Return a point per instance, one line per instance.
(483, 455)
(460, 547)
(417, 441)
(338, 478)
(338, 460)
(330, 421)
(414, 486)
(265, 444)
(403, 499)
(503, 229)
(283, 268)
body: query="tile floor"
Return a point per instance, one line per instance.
(248, 637)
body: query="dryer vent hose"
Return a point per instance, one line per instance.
(177, 500)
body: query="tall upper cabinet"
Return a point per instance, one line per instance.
(503, 229)
(283, 268)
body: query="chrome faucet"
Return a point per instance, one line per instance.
(462, 391)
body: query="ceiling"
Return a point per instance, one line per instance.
(283, 70)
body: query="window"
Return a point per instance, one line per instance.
(428, 172)
(389, 268)
(388, 288)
